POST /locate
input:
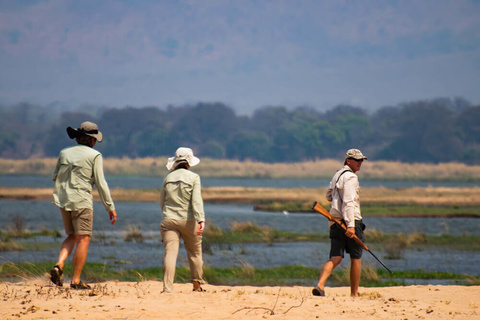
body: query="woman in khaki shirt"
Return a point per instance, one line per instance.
(78, 168)
(182, 217)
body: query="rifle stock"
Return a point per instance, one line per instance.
(320, 209)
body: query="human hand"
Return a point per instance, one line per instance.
(201, 228)
(113, 216)
(350, 232)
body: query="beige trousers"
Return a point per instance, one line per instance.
(171, 232)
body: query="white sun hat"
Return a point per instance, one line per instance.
(182, 154)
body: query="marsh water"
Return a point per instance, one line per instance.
(110, 247)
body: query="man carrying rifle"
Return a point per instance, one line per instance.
(343, 192)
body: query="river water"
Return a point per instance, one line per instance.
(135, 182)
(109, 246)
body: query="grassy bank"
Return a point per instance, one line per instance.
(380, 201)
(210, 168)
(241, 275)
(394, 244)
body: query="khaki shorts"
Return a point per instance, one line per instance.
(79, 222)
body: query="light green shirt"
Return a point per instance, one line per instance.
(78, 168)
(181, 197)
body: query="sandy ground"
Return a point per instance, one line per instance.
(38, 299)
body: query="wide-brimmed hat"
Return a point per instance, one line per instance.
(182, 154)
(355, 154)
(86, 129)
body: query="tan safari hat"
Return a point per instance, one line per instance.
(355, 154)
(88, 129)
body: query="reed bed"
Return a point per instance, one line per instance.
(296, 197)
(210, 168)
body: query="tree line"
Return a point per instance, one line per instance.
(431, 131)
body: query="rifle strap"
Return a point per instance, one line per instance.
(337, 182)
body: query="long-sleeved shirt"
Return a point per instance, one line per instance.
(78, 168)
(344, 193)
(181, 197)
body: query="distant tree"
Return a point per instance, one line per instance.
(269, 119)
(467, 127)
(212, 149)
(204, 122)
(342, 111)
(306, 141)
(436, 130)
(150, 142)
(22, 130)
(250, 145)
(426, 135)
(357, 130)
(123, 127)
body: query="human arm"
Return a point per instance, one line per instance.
(162, 196)
(197, 201)
(350, 200)
(55, 170)
(101, 183)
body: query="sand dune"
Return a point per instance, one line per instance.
(38, 299)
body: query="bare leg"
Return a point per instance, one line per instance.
(327, 270)
(355, 271)
(65, 250)
(80, 256)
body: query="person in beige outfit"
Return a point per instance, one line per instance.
(182, 217)
(78, 168)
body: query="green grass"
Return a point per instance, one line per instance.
(241, 275)
(375, 210)
(25, 234)
(248, 232)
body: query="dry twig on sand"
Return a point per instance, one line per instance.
(271, 311)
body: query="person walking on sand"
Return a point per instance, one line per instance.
(78, 168)
(182, 217)
(343, 192)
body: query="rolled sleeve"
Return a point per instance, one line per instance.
(329, 194)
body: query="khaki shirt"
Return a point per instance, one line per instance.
(78, 168)
(181, 197)
(345, 196)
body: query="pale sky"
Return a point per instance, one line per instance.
(244, 53)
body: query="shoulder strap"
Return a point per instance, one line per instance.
(339, 179)
(341, 175)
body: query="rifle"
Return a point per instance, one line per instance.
(320, 209)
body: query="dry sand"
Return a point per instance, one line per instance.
(39, 299)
